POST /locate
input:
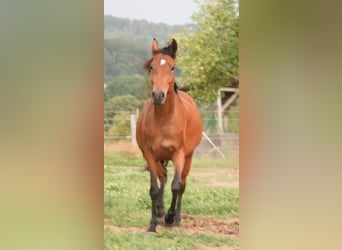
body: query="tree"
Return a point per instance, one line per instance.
(125, 85)
(117, 111)
(123, 57)
(209, 57)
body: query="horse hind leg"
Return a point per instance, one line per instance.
(164, 163)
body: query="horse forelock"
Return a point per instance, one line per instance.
(166, 51)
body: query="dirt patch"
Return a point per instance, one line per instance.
(224, 184)
(192, 225)
(122, 147)
(116, 229)
(218, 248)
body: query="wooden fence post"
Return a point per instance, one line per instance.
(133, 127)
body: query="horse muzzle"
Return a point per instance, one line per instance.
(158, 97)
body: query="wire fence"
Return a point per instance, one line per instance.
(117, 127)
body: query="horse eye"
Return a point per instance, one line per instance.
(150, 69)
(173, 68)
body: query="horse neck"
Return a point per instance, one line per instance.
(168, 108)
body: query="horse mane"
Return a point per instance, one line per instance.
(175, 87)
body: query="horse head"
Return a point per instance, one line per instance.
(161, 69)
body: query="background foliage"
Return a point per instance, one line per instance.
(208, 58)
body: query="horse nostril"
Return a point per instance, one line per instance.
(158, 97)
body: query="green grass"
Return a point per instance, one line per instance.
(126, 195)
(163, 240)
(120, 159)
(128, 204)
(206, 161)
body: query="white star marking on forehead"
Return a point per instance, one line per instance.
(162, 61)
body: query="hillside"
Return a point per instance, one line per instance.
(127, 44)
(141, 31)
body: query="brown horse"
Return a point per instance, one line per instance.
(168, 128)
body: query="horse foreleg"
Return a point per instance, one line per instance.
(154, 193)
(157, 170)
(162, 175)
(154, 190)
(176, 187)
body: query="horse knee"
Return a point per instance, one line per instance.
(154, 193)
(176, 186)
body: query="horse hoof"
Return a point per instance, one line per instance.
(151, 231)
(169, 219)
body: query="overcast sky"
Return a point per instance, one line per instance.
(157, 11)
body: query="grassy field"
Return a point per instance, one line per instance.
(210, 208)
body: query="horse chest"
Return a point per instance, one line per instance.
(164, 140)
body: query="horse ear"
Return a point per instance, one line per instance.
(154, 46)
(173, 46)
